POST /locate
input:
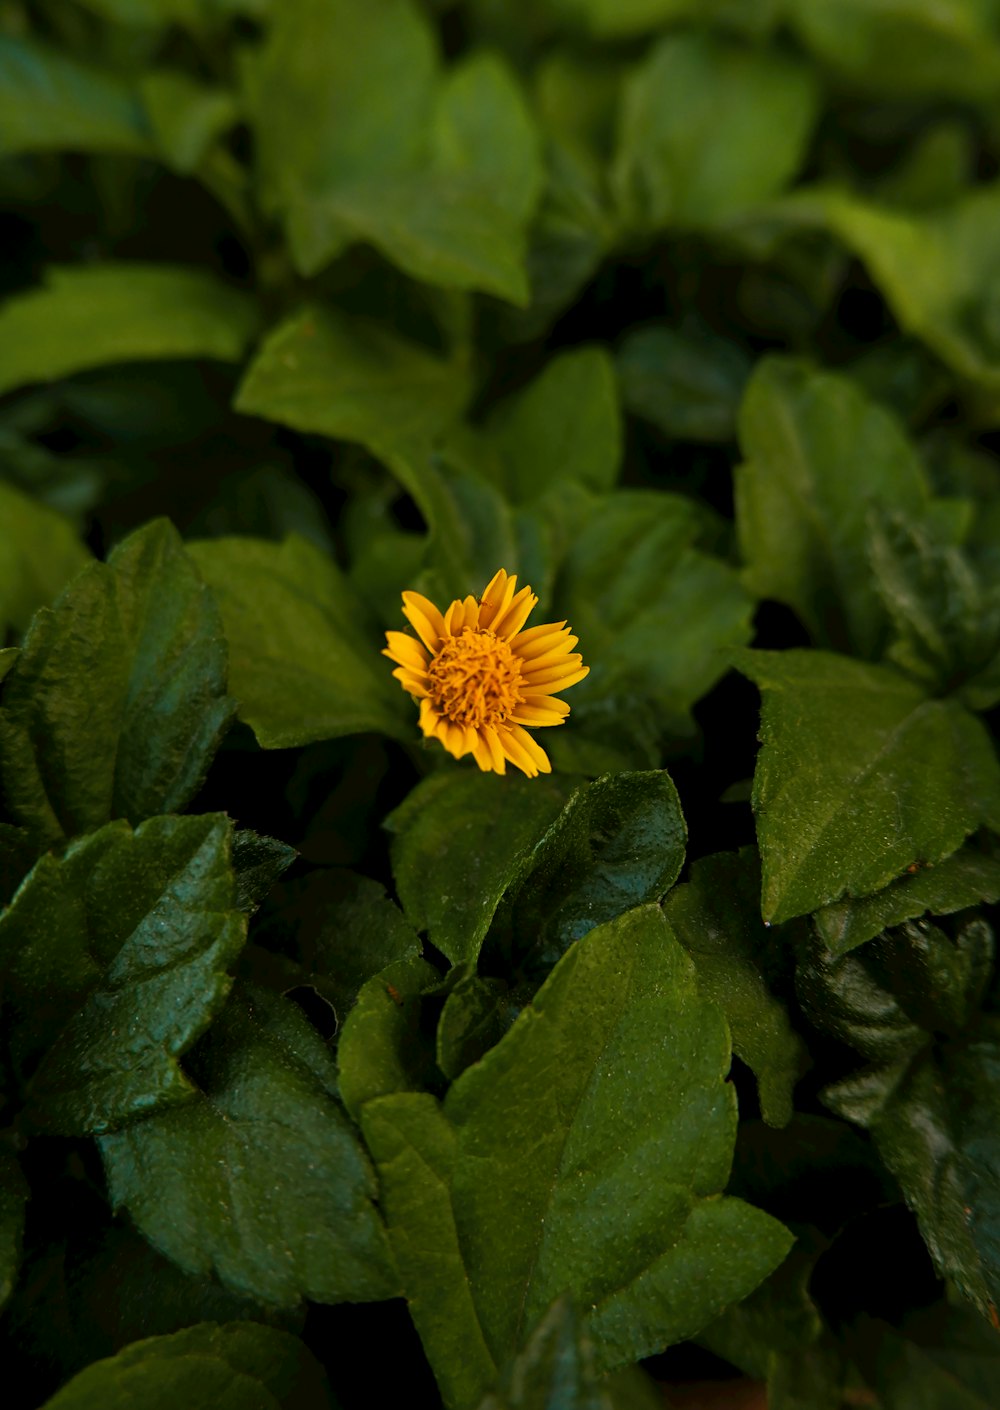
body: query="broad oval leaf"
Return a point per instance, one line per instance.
(859, 776)
(117, 958)
(259, 1179)
(92, 315)
(300, 663)
(117, 701)
(584, 1154)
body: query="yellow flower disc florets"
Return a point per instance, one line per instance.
(474, 679)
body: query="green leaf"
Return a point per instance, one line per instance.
(556, 1367)
(819, 455)
(716, 917)
(936, 1128)
(416, 1151)
(859, 776)
(116, 960)
(618, 843)
(566, 425)
(50, 101)
(383, 1048)
(186, 117)
(907, 47)
(342, 930)
(967, 877)
(476, 1015)
(39, 553)
(584, 1155)
(461, 839)
(117, 702)
(340, 92)
(257, 863)
(655, 616)
(707, 129)
(14, 1194)
(260, 1178)
(938, 272)
(687, 382)
(943, 1356)
(301, 664)
(238, 1364)
(946, 617)
(324, 372)
(90, 315)
(459, 218)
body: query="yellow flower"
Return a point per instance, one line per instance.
(481, 678)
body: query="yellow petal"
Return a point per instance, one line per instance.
(405, 651)
(542, 644)
(514, 617)
(496, 598)
(552, 687)
(424, 618)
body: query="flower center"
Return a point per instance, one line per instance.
(474, 679)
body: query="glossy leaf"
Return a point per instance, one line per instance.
(859, 776)
(460, 840)
(327, 373)
(257, 863)
(260, 1178)
(91, 315)
(556, 1366)
(301, 665)
(384, 1047)
(819, 455)
(237, 1364)
(617, 844)
(716, 917)
(117, 702)
(967, 877)
(707, 129)
(612, 1080)
(39, 553)
(116, 960)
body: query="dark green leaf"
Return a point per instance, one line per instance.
(707, 129)
(936, 1128)
(14, 1193)
(966, 877)
(946, 618)
(461, 839)
(117, 702)
(301, 664)
(116, 960)
(476, 1015)
(185, 116)
(565, 425)
(943, 1357)
(555, 1368)
(236, 1366)
(49, 100)
(655, 616)
(257, 863)
(859, 776)
(687, 382)
(911, 47)
(618, 843)
(819, 455)
(716, 917)
(90, 315)
(584, 1154)
(340, 92)
(324, 372)
(260, 1178)
(39, 553)
(385, 1046)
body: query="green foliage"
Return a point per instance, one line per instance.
(317, 1043)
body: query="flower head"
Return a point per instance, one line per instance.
(481, 679)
